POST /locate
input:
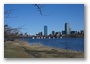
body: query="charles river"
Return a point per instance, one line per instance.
(76, 44)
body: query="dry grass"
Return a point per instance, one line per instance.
(19, 49)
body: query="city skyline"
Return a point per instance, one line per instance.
(57, 15)
(66, 31)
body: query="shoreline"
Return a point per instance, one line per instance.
(11, 49)
(52, 44)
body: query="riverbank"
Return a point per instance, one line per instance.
(21, 49)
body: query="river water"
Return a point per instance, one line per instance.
(76, 44)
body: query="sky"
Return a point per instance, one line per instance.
(54, 17)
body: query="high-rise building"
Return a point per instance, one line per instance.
(67, 29)
(45, 30)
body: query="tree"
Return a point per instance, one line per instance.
(12, 33)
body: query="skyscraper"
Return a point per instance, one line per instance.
(45, 30)
(67, 29)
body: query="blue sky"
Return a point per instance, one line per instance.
(55, 16)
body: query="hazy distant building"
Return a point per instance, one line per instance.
(45, 30)
(58, 34)
(67, 28)
(53, 32)
(74, 32)
(40, 33)
(63, 32)
(82, 31)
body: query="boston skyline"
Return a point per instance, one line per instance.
(56, 16)
(66, 31)
(44, 31)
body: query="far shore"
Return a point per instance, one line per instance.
(21, 49)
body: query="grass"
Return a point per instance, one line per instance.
(19, 49)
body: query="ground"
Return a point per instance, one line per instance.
(21, 49)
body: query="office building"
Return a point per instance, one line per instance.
(45, 30)
(63, 32)
(82, 31)
(73, 32)
(40, 33)
(67, 28)
(53, 32)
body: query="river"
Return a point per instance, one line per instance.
(76, 44)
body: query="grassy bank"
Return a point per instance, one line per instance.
(21, 49)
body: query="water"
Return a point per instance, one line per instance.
(76, 44)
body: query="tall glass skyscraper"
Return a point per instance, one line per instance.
(67, 28)
(45, 30)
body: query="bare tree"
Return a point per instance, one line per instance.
(40, 9)
(12, 33)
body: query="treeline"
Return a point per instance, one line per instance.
(74, 36)
(13, 33)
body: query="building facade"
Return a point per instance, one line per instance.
(45, 30)
(53, 32)
(67, 29)
(74, 32)
(63, 32)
